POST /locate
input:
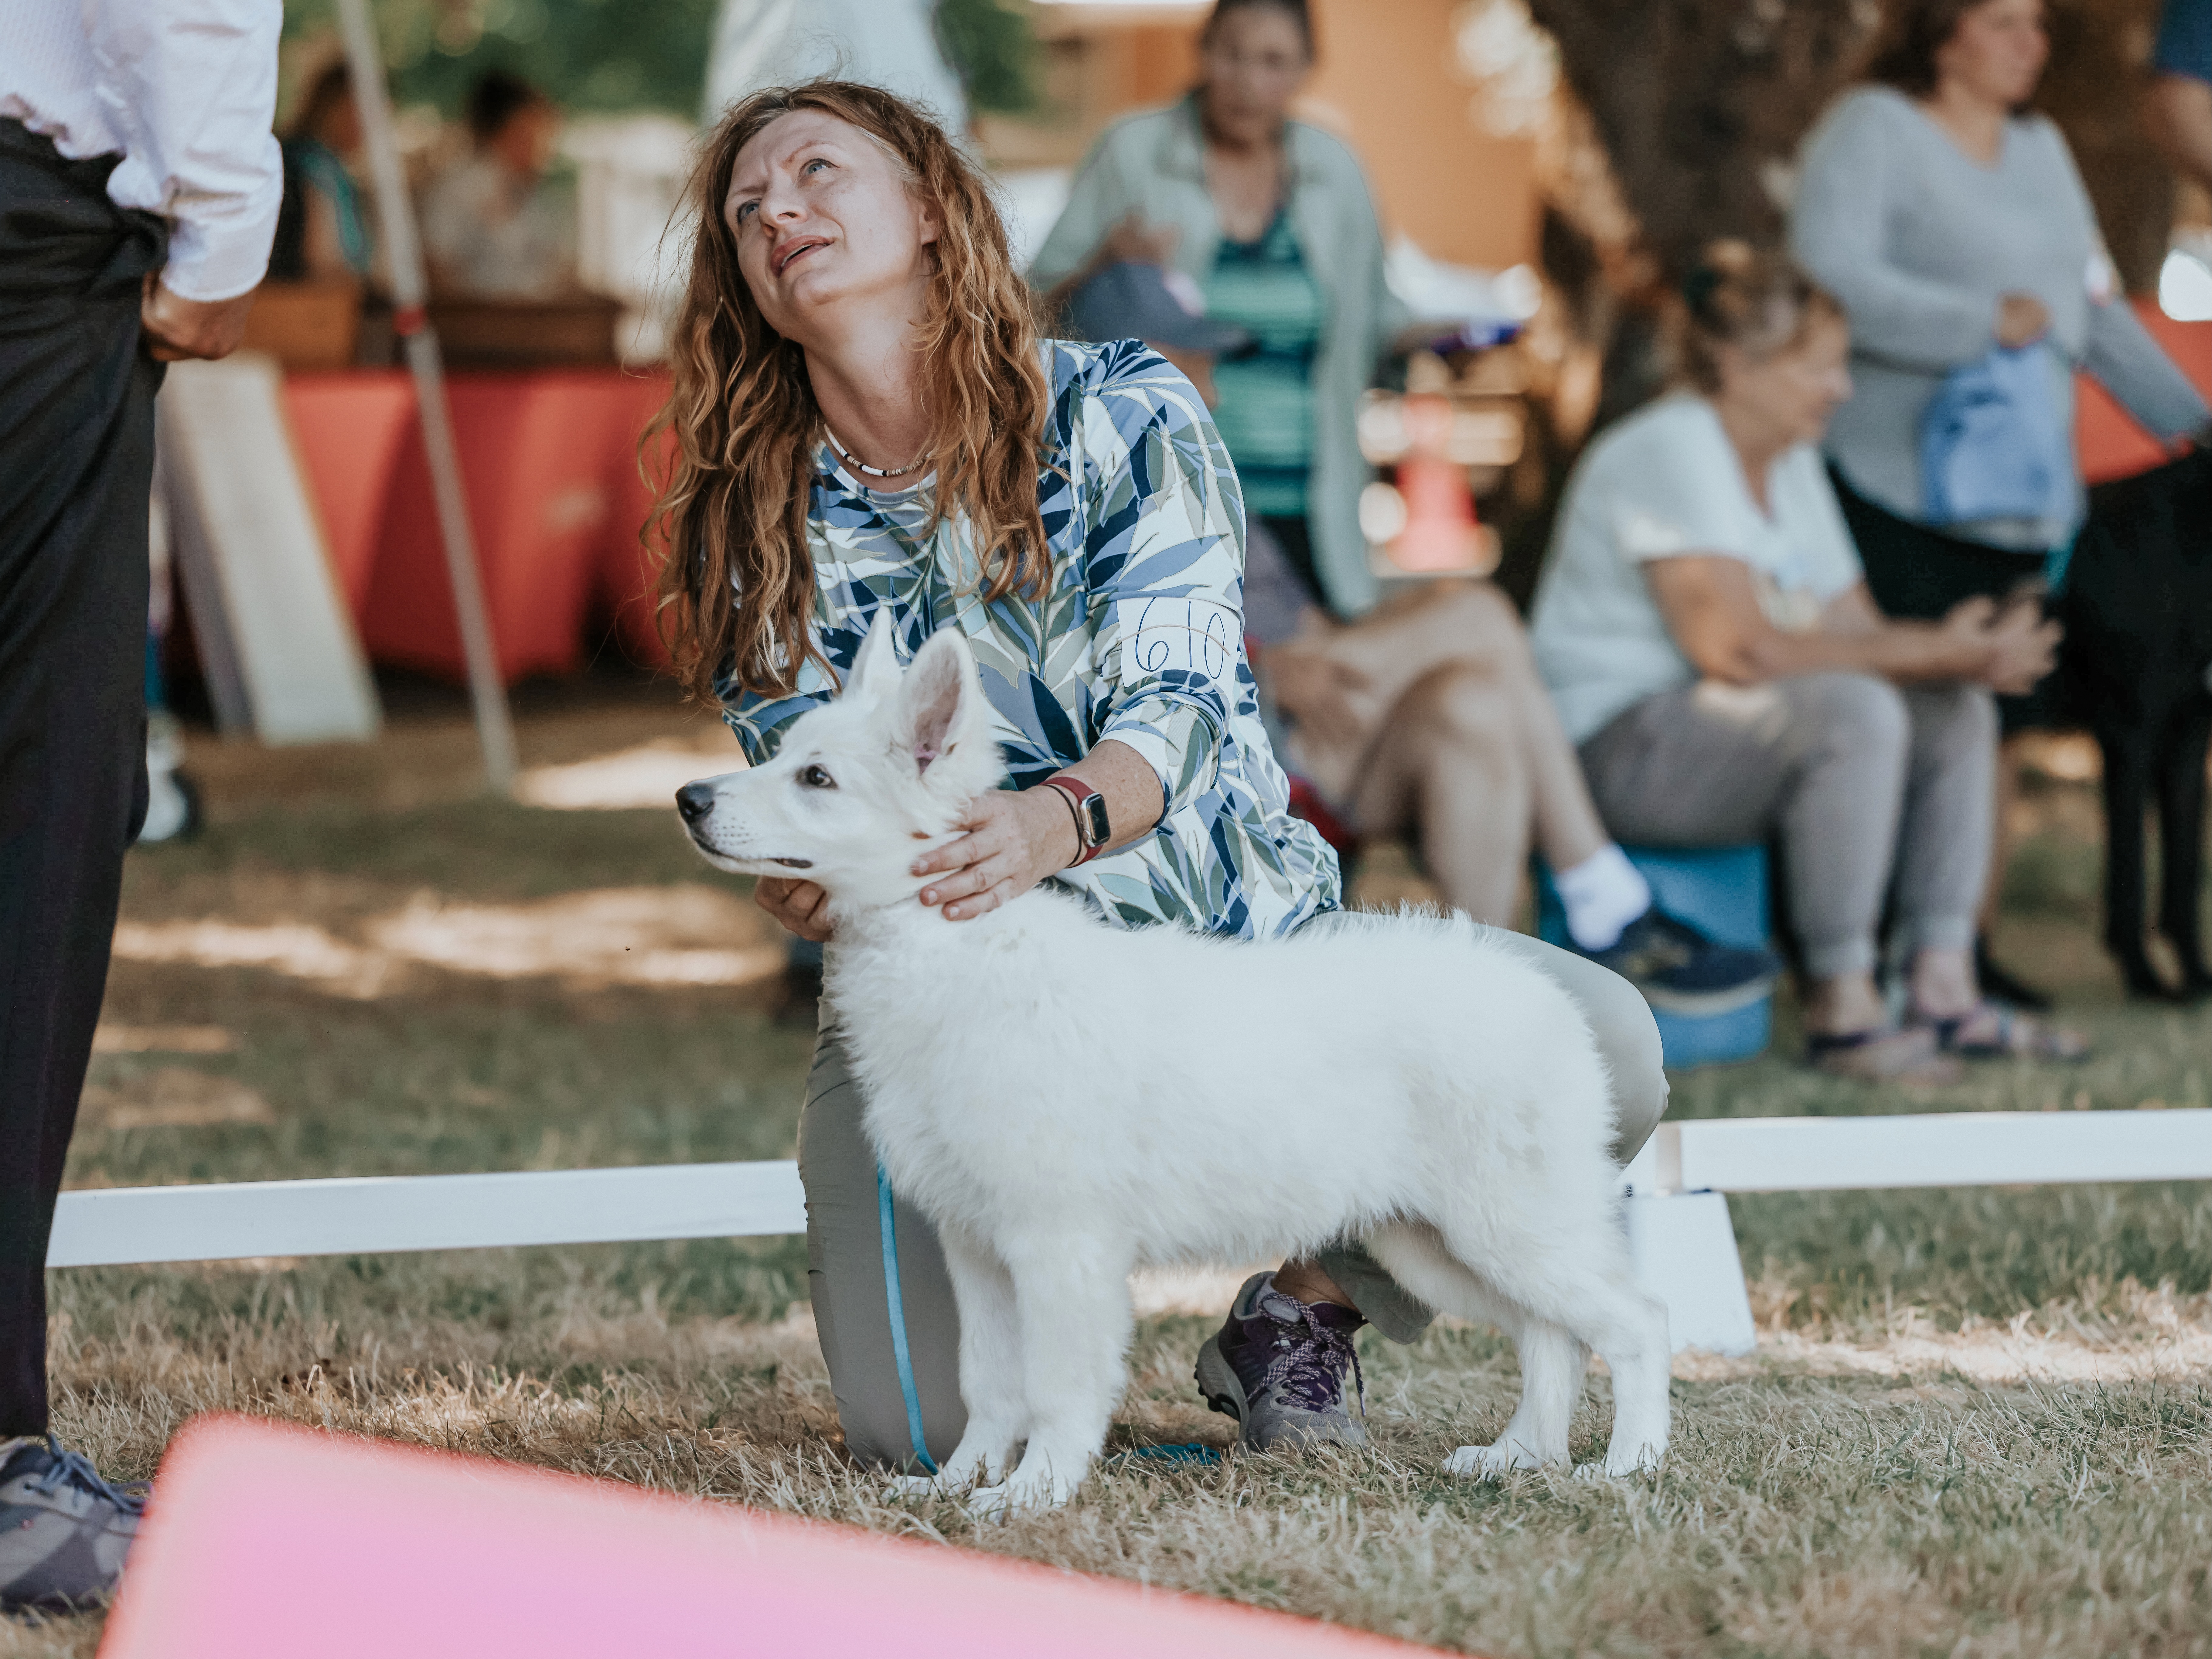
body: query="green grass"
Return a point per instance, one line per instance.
(1853, 1489)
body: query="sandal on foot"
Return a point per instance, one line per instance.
(1991, 1031)
(1882, 1055)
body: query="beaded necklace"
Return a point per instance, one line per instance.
(855, 462)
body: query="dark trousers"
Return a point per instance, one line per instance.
(77, 461)
(1916, 573)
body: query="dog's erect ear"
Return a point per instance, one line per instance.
(875, 665)
(941, 713)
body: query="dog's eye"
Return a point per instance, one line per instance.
(814, 777)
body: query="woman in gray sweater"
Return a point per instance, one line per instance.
(1951, 222)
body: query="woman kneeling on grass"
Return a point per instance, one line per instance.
(868, 424)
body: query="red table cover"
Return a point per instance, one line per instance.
(533, 453)
(349, 428)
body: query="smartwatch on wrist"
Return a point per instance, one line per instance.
(1092, 828)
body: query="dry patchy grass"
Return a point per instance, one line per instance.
(1971, 1427)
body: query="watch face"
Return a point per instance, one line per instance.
(1096, 832)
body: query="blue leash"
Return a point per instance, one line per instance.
(895, 1305)
(1186, 1451)
(902, 1355)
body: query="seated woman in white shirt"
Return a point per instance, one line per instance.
(1705, 630)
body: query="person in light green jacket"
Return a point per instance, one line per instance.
(1272, 220)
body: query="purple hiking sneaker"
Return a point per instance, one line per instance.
(1277, 1367)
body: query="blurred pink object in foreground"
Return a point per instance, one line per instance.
(273, 1541)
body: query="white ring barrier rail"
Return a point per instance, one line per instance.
(1684, 1243)
(367, 1215)
(1932, 1149)
(1680, 1233)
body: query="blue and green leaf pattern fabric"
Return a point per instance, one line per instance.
(1139, 637)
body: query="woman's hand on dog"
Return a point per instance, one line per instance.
(800, 906)
(1015, 839)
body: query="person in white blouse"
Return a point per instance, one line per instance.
(139, 188)
(1704, 627)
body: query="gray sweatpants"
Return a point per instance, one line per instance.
(1875, 791)
(862, 1239)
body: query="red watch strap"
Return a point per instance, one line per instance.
(1079, 793)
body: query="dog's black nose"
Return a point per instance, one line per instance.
(695, 801)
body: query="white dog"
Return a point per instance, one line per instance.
(1065, 1100)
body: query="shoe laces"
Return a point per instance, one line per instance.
(1662, 942)
(69, 1468)
(1311, 1364)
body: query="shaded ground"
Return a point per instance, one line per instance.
(1977, 1422)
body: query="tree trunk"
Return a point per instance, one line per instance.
(1700, 106)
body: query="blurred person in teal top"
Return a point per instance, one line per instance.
(1264, 408)
(322, 229)
(1271, 221)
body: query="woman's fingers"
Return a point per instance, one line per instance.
(988, 822)
(1971, 613)
(1005, 853)
(984, 901)
(798, 906)
(983, 873)
(953, 856)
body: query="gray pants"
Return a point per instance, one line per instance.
(861, 1239)
(1875, 792)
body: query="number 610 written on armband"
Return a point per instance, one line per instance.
(1160, 635)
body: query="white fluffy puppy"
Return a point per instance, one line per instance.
(1065, 1100)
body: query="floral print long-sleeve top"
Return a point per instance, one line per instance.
(1140, 638)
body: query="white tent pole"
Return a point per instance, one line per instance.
(409, 292)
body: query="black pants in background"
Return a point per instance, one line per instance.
(1917, 573)
(77, 460)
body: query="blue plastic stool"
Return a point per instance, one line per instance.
(1721, 891)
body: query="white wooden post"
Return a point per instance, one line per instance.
(1683, 1246)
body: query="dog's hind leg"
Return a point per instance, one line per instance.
(990, 1367)
(1578, 1275)
(2181, 838)
(1552, 1361)
(1551, 1367)
(1071, 1299)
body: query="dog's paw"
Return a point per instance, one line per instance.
(992, 1503)
(1488, 1462)
(1014, 1495)
(916, 1486)
(1619, 1464)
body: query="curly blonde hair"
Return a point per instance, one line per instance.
(737, 581)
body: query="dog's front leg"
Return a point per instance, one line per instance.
(991, 1378)
(1072, 1298)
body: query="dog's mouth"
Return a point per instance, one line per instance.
(715, 852)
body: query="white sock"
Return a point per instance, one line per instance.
(1603, 895)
